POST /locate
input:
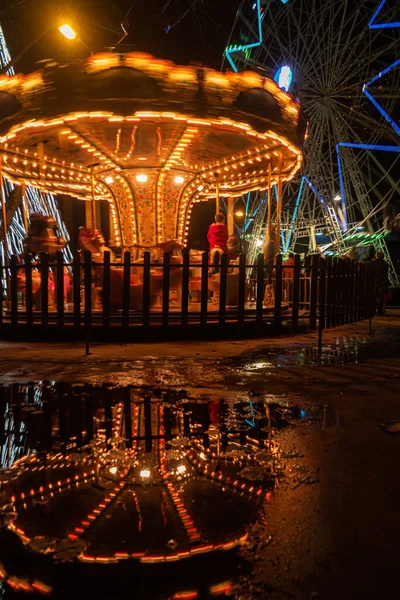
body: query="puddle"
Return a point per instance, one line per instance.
(345, 350)
(106, 483)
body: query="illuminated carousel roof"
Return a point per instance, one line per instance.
(156, 136)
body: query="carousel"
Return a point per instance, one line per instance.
(151, 139)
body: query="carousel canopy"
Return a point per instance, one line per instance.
(147, 135)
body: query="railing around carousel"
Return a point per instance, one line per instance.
(86, 296)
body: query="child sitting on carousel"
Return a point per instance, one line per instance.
(217, 237)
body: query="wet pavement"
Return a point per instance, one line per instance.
(302, 427)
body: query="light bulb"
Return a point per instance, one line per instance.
(179, 179)
(142, 178)
(145, 473)
(109, 179)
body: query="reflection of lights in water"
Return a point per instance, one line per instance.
(181, 469)
(113, 470)
(260, 364)
(145, 473)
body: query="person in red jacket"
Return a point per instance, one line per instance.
(217, 235)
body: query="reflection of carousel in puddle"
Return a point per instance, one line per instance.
(119, 477)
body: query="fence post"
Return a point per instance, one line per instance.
(76, 292)
(126, 290)
(28, 290)
(44, 288)
(146, 289)
(339, 292)
(321, 303)
(296, 293)
(165, 289)
(351, 276)
(371, 291)
(328, 315)
(260, 289)
(106, 289)
(204, 290)
(222, 290)
(356, 290)
(185, 288)
(241, 291)
(343, 279)
(87, 273)
(59, 271)
(278, 292)
(14, 291)
(333, 291)
(313, 291)
(346, 290)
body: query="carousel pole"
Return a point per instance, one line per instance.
(216, 193)
(279, 213)
(24, 207)
(4, 215)
(92, 201)
(269, 195)
(230, 221)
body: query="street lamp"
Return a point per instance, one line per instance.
(68, 32)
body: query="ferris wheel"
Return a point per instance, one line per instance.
(346, 75)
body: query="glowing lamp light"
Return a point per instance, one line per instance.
(109, 179)
(283, 77)
(200, 188)
(181, 469)
(259, 243)
(179, 179)
(239, 213)
(142, 178)
(142, 158)
(113, 470)
(145, 473)
(68, 32)
(338, 198)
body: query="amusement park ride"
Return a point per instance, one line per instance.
(325, 54)
(169, 137)
(172, 136)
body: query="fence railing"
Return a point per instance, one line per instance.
(177, 293)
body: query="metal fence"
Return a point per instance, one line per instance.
(91, 298)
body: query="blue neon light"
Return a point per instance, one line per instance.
(369, 147)
(391, 121)
(314, 190)
(373, 25)
(283, 77)
(246, 46)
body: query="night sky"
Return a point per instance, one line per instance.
(198, 29)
